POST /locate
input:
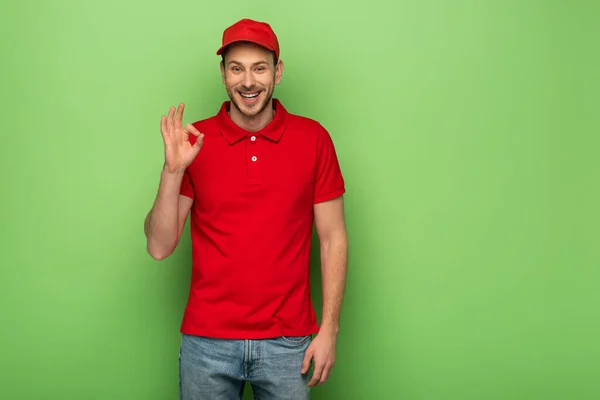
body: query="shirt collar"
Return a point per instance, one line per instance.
(233, 133)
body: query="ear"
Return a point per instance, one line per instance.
(278, 71)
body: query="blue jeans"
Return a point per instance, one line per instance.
(218, 369)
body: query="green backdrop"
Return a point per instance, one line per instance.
(468, 136)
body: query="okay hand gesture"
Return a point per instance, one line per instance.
(179, 152)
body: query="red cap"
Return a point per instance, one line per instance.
(248, 30)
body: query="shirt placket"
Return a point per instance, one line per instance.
(253, 159)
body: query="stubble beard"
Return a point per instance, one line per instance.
(255, 110)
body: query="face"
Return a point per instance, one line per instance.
(249, 74)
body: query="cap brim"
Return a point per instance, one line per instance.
(258, 42)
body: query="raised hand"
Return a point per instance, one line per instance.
(179, 151)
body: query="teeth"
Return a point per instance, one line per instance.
(249, 96)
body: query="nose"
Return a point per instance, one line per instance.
(248, 81)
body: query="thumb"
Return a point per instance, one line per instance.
(307, 357)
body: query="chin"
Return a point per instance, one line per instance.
(251, 103)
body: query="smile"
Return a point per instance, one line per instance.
(249, 95)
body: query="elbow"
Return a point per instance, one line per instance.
(158, 247)
(337, 239)
(158, 256)
(159, 253)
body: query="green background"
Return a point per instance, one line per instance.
(468, 136)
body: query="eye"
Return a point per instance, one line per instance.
(236, 69)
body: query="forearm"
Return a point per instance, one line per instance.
(334, 266)
(162, 226)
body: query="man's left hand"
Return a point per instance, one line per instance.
(322, 352)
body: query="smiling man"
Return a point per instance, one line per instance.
(254, 180)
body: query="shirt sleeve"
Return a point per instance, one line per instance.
(187, 189)
(329, 182)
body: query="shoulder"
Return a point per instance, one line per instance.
(296, 120)
(308, 127)
(208, 124)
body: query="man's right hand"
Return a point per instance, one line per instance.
(179, 152)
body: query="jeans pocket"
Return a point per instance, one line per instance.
(296, 340)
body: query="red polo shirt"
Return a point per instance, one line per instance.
(251, 225)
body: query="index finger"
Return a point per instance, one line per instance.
(189, 128)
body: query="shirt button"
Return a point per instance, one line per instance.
(253, 138)
(253, 158)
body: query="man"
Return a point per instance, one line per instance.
(254, 179)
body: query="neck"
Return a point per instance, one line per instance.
(254, 123)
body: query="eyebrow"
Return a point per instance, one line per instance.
(240, 63)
